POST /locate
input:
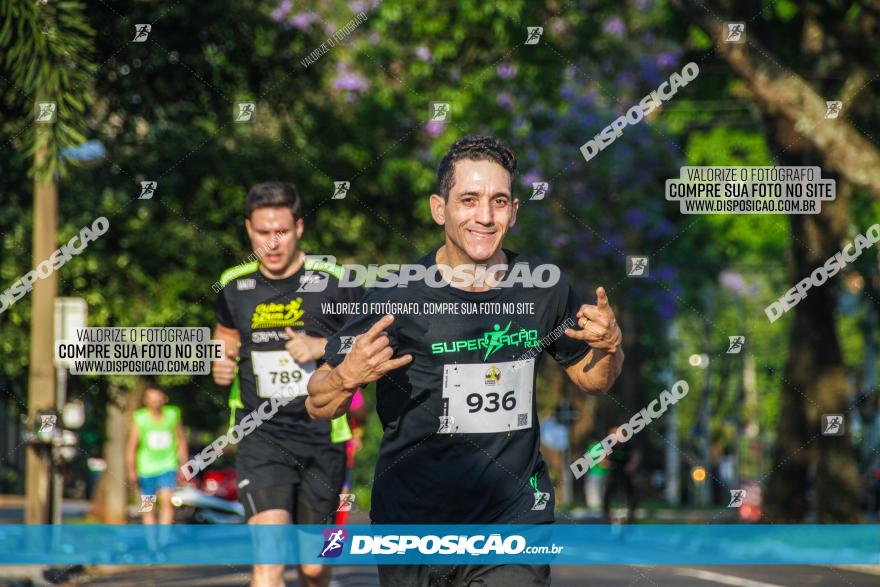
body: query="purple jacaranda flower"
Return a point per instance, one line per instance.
(667, 60)
(506, 70)
(636, 218)
(349, 80)
(666, 310)
(504, 99)
(531, 176)
(644, 5)
(567, 93)
(560, 240)
(302, 20)
(614, 26)
(733, 280)
(374, 38)
(664, 272)
(434, 128)
(424, 53)
(357, 6)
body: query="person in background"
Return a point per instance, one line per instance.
(595, 481)
(358, 419)
(155, 452)
(622, 464)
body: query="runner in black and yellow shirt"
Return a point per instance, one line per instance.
(456, 392)
(290, 468)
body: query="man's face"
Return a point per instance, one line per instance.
(479, 211)
(154, 398)
(275, 235)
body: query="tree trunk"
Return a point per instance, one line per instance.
(814, 383)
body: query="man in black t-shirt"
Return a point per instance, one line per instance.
(455, 391)
(290, 467)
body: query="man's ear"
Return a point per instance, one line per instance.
(438, 208)
(513, 212)
(299, 226)
(248, 227)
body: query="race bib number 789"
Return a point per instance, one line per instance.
(278, 375)
(481, 398)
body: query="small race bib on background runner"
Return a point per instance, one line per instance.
(489, 397)
(278, 375)
(158, 439)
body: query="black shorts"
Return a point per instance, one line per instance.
(302, 479)
(464, 575)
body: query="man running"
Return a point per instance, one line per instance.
(155, 450)
(455, 391)
(290, 468)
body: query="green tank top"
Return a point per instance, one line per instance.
(157, 441)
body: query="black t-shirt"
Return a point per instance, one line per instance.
(462, 442)
(261, 309)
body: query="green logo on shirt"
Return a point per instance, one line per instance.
(492, 341)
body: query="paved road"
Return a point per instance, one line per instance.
(563, 576)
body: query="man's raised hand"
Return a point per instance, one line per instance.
(371, 356)
(597, 325)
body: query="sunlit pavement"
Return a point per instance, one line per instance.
(564, 576)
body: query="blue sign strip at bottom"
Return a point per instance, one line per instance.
(558, 544)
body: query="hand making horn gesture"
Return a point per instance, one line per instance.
(597, 325)
(371, 355)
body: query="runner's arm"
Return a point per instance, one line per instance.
(223, 370)
(329, 393)
(131, 452)
(182, 447)
(597, 371)
(370, 358)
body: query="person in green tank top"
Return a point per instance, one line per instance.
(155, 451)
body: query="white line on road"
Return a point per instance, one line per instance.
(723, 579)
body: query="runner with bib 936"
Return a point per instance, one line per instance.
(455, 393)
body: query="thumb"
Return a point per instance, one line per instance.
(602, 298)
(290, 332)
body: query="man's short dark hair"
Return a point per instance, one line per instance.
(273, 194)
(475, 148)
